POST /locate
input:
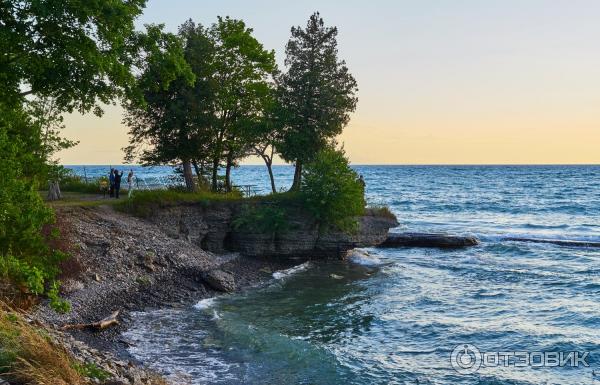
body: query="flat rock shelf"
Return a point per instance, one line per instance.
(439, 240)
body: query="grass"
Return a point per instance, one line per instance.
(75, 184)
(142, 202)
(380, 211)
(29, 356)
(70, 198)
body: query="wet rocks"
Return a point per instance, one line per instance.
(428, 240)
(220, 280)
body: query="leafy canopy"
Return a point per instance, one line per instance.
(78, 52)
(316, 94)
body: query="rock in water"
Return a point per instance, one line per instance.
(220, 280)
(428, 240)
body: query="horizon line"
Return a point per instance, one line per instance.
(365, 164)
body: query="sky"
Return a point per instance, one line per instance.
(440, 81)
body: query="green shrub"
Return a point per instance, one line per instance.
(332, 191)
(26, 260)
(264, 218)
(57, 303)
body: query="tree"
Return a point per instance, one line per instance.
(78, 53)
(264, 134)
(47, 120)
(317, 93)
(172, 122)
(242, 70)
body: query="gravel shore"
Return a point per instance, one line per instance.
(127, 264)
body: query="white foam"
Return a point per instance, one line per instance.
(205, 303)
(363, 257)
(292, 270)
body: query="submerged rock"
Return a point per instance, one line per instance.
(428, 240)
(220, 280)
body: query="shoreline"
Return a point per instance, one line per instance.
(142, 269)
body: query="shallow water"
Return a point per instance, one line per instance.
(395, 315)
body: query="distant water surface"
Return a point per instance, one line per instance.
(394, 317)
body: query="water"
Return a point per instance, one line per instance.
(395, 315)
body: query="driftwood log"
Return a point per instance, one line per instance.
(99, 325)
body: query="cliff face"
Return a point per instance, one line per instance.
(211, 228)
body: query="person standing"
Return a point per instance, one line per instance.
(118, 182)
(111, 181)
(129, 183)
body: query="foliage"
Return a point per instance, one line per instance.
(56, 57)
(76, 52)
(47, 120)
(169, 125)
(29, 356)
(91, 370)
(57, 303)
(332, 191)
(316, 94)
(203, 122)
(264, 218)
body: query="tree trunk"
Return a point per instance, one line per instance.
(269, 164)
(297, 176)
(188, 177)
(228, 172)
(54, 191)
(197, 169)
(215, 171)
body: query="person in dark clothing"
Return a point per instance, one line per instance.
(118, 182)
(111, 181)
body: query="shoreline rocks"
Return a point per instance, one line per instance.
(220, 280)
(128, 264)
(438, 240)
(211, 227)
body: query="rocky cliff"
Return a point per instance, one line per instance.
(212, 227)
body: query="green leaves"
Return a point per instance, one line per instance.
(316, 94)
(332, 191)
(77, 52)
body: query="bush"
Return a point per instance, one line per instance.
(332, 191)
(26, 260)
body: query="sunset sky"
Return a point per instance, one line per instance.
(440, 82)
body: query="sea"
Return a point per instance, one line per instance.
(502, 312)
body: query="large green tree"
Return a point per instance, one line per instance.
(243, 69)
(79, 55)
(171, 122)
(78, 52)
(317, 93)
